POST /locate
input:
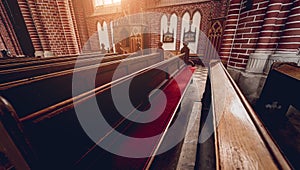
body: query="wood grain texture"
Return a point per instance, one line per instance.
(289, 70)
(239, 144)
(188, 153)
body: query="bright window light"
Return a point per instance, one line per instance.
(106, 2)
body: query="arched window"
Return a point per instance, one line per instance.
(103, 35)
(190, 31)
(185, 24)
(163, 25)
(168, 32)
(196, 27)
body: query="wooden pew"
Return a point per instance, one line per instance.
(36, 70)
(53, 137)
(25, 59)
(17, 63)
(17, 59)
(241, 140)
(42, 91)
(28, 59)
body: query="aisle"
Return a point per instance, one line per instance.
(183, 155)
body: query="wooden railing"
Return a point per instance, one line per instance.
(241, 140)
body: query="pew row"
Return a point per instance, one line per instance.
(241, 140)
(42, 91)
(36, 70)
(53, 137)
(26, 60)
(17, 63)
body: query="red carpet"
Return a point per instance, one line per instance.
(173, 92)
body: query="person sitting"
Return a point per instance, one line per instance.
(139, 50)
(138, 46)
(6, 53)
(119, 49)
(103, 51)
(185, 49)
(111, 50)
(160, 49)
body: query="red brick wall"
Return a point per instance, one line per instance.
(269, 26)
(51, 26)
(208, 10)
(87, 19)
(133, 6)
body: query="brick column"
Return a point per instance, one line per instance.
(66, 22)
(154, 21)
(71, 7)
(51, 26)
(244, 30)
(110, 32)
(290, 38)
(94, 43)
(273, 24)
(178, 35)
(231, 23)
(274, 20)
(79, 11)
(34, 26)
(8, 38)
